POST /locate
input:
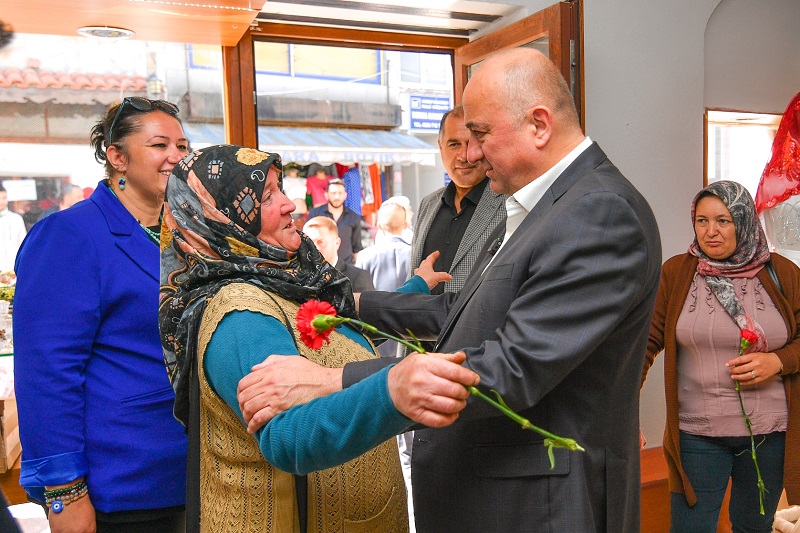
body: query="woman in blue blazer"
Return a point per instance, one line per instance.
(100, 444)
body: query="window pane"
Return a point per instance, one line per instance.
(409, 67)
(739, 146)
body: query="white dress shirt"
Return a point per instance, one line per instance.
(12, 231)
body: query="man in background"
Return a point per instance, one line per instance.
(457, 219)
(70, 195)
(387, 261)
(324, 232)
(348, 222)
(12, 231)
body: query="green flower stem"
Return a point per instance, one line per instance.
(326, 322)
(550, 439)
(761, 488)
(743, 345)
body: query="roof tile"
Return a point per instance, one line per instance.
(13, 77)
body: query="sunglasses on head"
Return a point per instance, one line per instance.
(141, 104)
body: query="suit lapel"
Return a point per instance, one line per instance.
(425, 223)
(471, 285)
(488, 205)
(585, 162)
(423, 226)
(128, 236)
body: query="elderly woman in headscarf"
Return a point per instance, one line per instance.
(728, 282)
(234, 270)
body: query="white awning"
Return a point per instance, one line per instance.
(328, 145)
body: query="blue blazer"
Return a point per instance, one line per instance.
(93, 395)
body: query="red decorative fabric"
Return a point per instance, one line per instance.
(781, 177)
(370, 210)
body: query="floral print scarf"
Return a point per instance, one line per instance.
(212, 215)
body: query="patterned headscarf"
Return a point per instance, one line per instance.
(781, 177)
(212, 215)
(750, 254)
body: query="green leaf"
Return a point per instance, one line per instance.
(549, 443)
(499, 399)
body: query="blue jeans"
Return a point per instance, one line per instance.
(709, 462)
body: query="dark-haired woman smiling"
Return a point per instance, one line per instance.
(101, 446)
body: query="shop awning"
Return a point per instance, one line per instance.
(328, 145)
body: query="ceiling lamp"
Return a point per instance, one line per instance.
(106, 32)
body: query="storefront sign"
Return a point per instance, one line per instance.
(426, 112)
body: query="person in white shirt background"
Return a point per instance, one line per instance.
(12, 231)
(408, 231)
(387, 261)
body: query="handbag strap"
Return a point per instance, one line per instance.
(773, 275)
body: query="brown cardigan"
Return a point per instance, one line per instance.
(676, 280)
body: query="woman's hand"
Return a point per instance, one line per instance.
(76, 517)
(752, 368)
(426, 271)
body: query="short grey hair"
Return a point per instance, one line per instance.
(531, 83)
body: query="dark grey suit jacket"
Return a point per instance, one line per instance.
(489, 212)
(558, 325)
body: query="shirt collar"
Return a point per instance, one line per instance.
(530, 194)
(474, 195)
(391, 237)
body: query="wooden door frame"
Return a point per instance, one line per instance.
(239, 68)
(241, 126)
(561, 22)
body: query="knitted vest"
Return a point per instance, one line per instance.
(240, 492)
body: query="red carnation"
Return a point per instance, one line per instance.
(311, 336)
(749, 336)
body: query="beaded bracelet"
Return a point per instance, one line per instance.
(65, 495)
(58, 505)
(63, 490)
(57, 499)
